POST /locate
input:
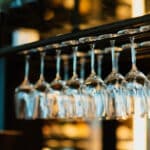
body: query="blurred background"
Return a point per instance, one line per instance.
(52, 17)
(24, 21)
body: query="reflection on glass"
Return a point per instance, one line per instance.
(117, 100)
(24, 96)
(73, 90)
(94, 85)
(41, 87)
(136, 81)
(58, 101)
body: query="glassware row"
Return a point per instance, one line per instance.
(116, 97)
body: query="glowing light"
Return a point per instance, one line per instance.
(25, 35)
(138, 8)
(69, 4)
(85, 7)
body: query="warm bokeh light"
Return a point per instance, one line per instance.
(125, 145)
(124, 133)
(25, 35)
(85, 6)
(69, 4)
(138, 8)
(120, 12)
(49, 15)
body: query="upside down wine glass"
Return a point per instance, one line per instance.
(76, 106)
(94, 84)
(41, 87)
(117, 100)
(147, 87)
(24, 96)
(57, 99)
(136, 80)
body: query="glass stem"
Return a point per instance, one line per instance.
(42, 66)
(58, 64)
(99, 65)
(92, 58)
(133, 54)
(75, 49)
(82, 70)
(112, 42)
(26, 67)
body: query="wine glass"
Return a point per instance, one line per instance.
(78, 99)
(136, 80)
(25, 95)
(94, 84)
(117, 104)
(41, 87)
(57, 99)
(147, 87)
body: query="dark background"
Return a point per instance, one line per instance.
(33, 15)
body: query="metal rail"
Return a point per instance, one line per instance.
(107, 28)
